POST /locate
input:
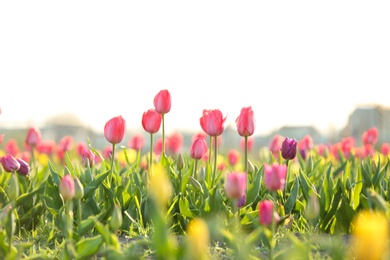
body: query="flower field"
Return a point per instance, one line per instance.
(292, 200)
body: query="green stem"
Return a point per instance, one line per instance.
(246, 154)
(69, 229)
(273, 226)
(215, 162)
(211, 141)
(195, 166)
(286, 182)
(150, 158)
(112, 165)
(79, 213)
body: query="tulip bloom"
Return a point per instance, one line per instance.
(67, 188)
(385, 149)
(33, 137)
(275, 176)
(212, 122)
(24, 168)
(276, 144)
(198, 148)
(88, 158)
(266, 212)
(11, 147)
(235, 186)
(137, 142)
(289, 148)
(10, 164)
(370, 136)
(175, 143)
(233, 157)
(245, 122)
(151, 121)
(114, 129)
(162, 102)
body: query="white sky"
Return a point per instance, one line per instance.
(294, 62)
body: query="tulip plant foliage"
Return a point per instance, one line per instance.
(294, 199)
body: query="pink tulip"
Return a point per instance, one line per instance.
(235, 185)
(151, 121)
(10, 164)
(370, 136)
(11, 147)
(114, 130)
(198, 148)
(175, 143)
(275, 176)
(385, 149)
(212, 122)
(233, 157)
(162, 102)
(137, 142)
(157, 149)
(266, 212)
(24, 168)
(67, 188)
(245, 122)
(276, 144)
(33, 137)
(46, 147)
(88, 158)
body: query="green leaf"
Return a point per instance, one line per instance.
(184, 207)
(89, 246)
(28, 196)
(290, 202)
(254, 187)
(93, 185)
(54, 174)
(325, 225)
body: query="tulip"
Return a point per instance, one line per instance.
(114, 129)
(198, 148)
(151, 121)
(33, 137)
(10, 164)
(11, 147)
(305, 145)
(212, 122)
(67, 187)
(162, 104)
(175, 142)
(24, 168)
(266, 213)
(233, 157)
(235, 186)
(241, 201)
(276, 144)
(289, 148)
(385, 149)
(245, 122)
(157, 148)
(275, 176)
(137, 142)
(88, 158)
(370, 136)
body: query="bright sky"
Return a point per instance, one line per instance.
(294, 62)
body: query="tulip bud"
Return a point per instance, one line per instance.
(196, 185)
(116, 218)
(33, 136)
(235, 185)
(266, 212)
(24, 168)
(78, 189)
(201, 174)
(289, 148)
(251, 168)
(67, 189)
(275, 176)
(13, 188)
(10, 164)
(162, 102)
(309, 165)
(241, 201)
(114, 129)
(180, 161)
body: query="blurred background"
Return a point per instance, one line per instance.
(318, 68)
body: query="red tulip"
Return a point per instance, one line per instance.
(235, 185)
(275, 176)
(212, 122)
(245, 122)
(370, 136)
(266, 212)
(33, 137)
(162, 102)
(10, 164)
(114, 130)
(151, 121)
(198, 148)
(67, 188)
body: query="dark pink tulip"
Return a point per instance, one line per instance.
(162, 102)
(46, 147)
(266, 212)
(114, 130)
(88, 158)
(276, 144)
(198, 148)
(80, 147)
(245, 122)
(157, 149)
(137, 142)
(151, 121)
(67, 188)
(233, 157)
(66, 143)
(33, 137)
(24, 168)
(235, 185)
(385, 149)
(370, 136)
(289, 148)
(275, 176)
(11, 147)
(10, 164)
(212, 122)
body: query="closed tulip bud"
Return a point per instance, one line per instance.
(251, 168)
(201, 174)
(198, 148)
(114, 129)
(245, 122)
(116, 218)
(162, 102)
(151, 121)
(33, 137)
(13, 188)
(235, 185)
(233, 157)
(180, 161)
(10, 164)
(266, 213)
(88, 158)
(275, 176)
(67, 187)
(309, 165)
(196, 185)
(24, 168)
(289, 148)
(78, 189)
(212, 122)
